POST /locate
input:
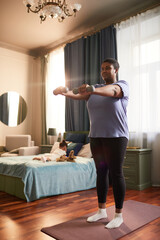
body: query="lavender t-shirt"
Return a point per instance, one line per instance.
(108, 115)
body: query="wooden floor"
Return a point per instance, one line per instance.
(23, 221)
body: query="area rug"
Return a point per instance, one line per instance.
(135, 215)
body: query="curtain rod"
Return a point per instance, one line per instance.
(89, 33)
(140, 12)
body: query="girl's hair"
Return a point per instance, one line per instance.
(112, 61)
(63, 143)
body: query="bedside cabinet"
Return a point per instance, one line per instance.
(2, 150)
(137, 168)
(45, 148)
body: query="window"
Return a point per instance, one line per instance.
(138, 41)
(55, 78)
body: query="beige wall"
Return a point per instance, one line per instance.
(21, 73)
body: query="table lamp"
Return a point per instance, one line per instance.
(52, 136)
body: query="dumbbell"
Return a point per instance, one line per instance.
(90, 88)
(60, 90)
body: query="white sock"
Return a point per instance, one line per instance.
(43, 158)
(99, 215)
(116, 221)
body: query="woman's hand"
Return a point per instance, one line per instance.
(60, 90)
(80, 93)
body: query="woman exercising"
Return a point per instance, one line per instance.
(106, 104)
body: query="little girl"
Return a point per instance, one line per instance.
(61, 151)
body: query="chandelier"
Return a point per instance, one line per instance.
(52, 8)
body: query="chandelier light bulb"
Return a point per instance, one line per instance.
(30, 2)
(41, 13)
(76, 6)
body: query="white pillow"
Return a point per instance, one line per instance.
(85, 151)
(15, 151)
(54, 147)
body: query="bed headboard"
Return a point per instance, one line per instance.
(77, 136)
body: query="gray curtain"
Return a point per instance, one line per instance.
(74, 74)
(108, 43)
(82, 65)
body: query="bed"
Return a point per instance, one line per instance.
(28, 179)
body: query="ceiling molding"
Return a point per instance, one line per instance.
(16, 48)
(23, 32)
(73, 37)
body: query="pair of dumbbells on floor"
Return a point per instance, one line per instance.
(60, 90)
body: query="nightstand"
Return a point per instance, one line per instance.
(137, 168)
(2, 150)
(45, 148)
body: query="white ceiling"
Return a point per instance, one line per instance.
(23, 32)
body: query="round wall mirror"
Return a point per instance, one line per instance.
(13, 109)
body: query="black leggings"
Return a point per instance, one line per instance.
(108, 154)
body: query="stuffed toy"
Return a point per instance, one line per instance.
(70, 158)
(61, 159)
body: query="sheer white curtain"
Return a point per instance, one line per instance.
(138, 41)
(55, 105)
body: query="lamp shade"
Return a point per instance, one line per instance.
(52, 132)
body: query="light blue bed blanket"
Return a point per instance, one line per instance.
(50, 178)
